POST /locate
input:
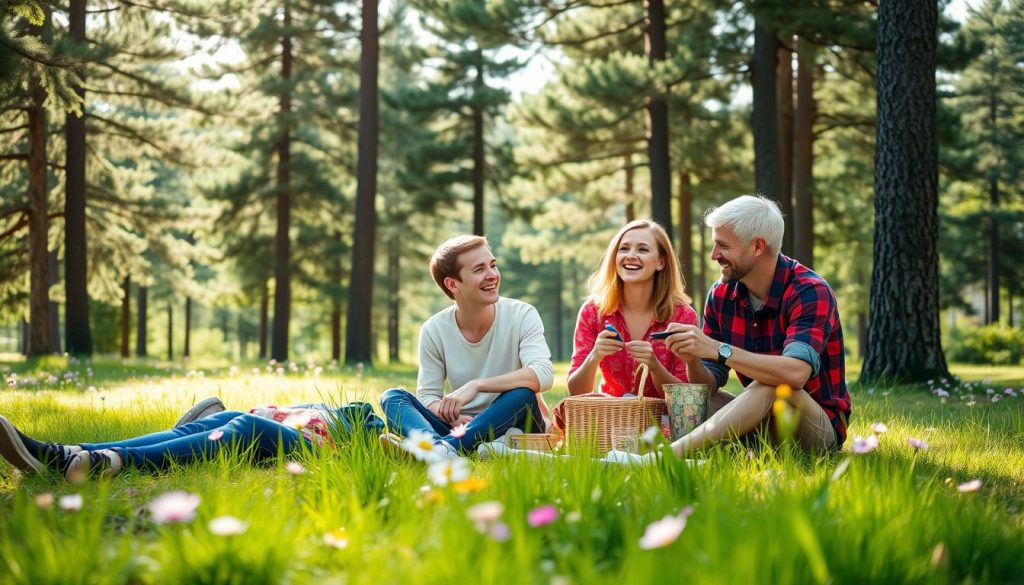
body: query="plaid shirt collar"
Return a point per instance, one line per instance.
(783, 273)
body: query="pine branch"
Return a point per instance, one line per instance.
(13, 157)
(14, 129)
(131, 133)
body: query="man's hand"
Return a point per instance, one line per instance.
(642, 352)
(450, 407)
(605, 346)
(689, 343)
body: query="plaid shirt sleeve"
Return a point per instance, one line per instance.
(712, 329)
(812, 317)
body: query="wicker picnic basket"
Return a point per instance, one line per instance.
(589, 419)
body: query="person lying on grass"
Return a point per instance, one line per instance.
(200, 434)
(636, 290)
(776, 323)
(491, 351)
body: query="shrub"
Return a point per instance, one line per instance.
(991, 344)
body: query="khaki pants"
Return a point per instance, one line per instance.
(749, 416)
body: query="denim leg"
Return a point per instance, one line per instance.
(513, 408)
(243, 432)
(404, 412)
(202, 426)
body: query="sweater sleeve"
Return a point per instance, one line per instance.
(431, 377)
(533, 349)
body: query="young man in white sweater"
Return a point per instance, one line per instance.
(491, 351)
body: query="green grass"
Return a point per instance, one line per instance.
(894, 516)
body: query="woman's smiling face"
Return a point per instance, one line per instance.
(637, 258)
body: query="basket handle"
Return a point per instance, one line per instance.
(644, 371)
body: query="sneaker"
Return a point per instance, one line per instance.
(507, 437)
(32, 456)
(392, 445)
(102, 463)
(201, 409)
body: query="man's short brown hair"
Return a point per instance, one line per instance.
(445, 261)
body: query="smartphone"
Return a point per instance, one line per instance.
(610, 327)
(661, 334)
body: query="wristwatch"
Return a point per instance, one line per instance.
(724, 353)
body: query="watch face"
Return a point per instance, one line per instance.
(724, 352)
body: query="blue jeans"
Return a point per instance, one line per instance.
(513, 408)
(190, 442)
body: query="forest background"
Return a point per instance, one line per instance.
(239, 179)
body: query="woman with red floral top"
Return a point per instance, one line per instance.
(638, 289)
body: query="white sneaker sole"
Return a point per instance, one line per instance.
(13, 449)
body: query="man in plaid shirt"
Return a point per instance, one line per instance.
(776, 323)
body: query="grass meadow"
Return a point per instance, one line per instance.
(900, 513)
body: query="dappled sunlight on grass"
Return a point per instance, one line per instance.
(354, 514)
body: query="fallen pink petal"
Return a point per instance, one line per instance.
(542, 516)
(863, 446)
(458, 431)
(174, 507)
(918, 444)
(969, 487)
(663, 532)
(215, 435)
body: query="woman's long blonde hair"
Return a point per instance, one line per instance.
(669, 288)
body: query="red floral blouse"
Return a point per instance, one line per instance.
(620, 370)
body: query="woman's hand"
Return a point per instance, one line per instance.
(642, 352)
(605, 346)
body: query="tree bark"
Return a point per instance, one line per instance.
(126, 317)
(38, 231)
(904, 342)
(686, 227)
(478, 150)
(78, 337)
(264, 317)
(559, 310)
(170, 330)
(703, 277)
(359, 322)
(657, 121)
(630, 192)
(282, 241)
(141, 330)
(765, 121)
(394, 273)
(784, 97)
(54, 273)
(803, 156)
(187, 352)
(337, 275)
(993, 226)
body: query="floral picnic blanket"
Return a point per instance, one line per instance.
(310, 422)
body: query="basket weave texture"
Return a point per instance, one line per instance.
(590, 418)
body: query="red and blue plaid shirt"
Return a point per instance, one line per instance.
(800, 318)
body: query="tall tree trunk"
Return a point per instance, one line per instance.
(993, 226)
(170, 329)
(686, 227)
(394, 272)
(54, 273)
(359, 322)
(23, 333)
(76, 329)
(765, 120)
(862, 334)
(264, 310)
(803, 156)
(630, 192)
(187, 352)
(478, 150)
(126, 317)
(338, 277)
(657, 120)
(904, 341)
(282, 242)
(38, 230)
(702, 277)
(559, 310)
(784, 97)
(141, 326)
